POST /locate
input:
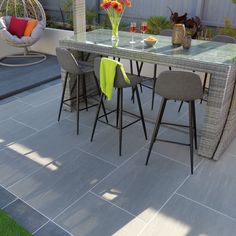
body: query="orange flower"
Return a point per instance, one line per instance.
(116, 6)
(128, 3)
(106, 4)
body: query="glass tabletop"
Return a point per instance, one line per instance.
(201, 50)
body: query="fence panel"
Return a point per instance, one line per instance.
(214, 12)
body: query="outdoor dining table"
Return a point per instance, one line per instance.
(218, 59)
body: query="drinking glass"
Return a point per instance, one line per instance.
(132, 29)
(143, 29)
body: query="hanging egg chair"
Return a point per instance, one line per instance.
(22, 23)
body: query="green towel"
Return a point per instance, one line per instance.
(107, 75)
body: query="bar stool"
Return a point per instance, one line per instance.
(139, 67)
(179, 86)
(79, 68)
(119, 84)
(220, 39)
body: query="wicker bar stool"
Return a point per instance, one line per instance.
(79, 68)
(179, 86)
(119, 84)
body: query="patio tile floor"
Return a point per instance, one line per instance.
(52, 180)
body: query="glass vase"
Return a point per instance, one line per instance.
(115, 31)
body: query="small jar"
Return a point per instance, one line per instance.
(178, 34)
(187, 42)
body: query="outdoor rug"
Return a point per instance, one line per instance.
(14, 80)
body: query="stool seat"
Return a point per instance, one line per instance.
(179, 85)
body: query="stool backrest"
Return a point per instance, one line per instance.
(166, 32)
(179, 85)
(67, 61)
(119, 81)
(224, 39)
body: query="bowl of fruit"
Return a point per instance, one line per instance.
(150, 41)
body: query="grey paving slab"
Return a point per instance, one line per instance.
(171, 113)
(183, 217)
(51, 229)
(214, 184)
(25, 215)
(142, 189)
(11, 131)
(94, 216)
(87, 118)
(43, 96)
(42, 116)
(15, 166)
(5, 197)
(48, 144)
(9, 109)
(175, 151)
(60, 183)
(106, 143)
(232, 148)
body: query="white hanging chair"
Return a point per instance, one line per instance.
(24, 9)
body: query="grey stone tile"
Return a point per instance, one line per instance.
(171, 113)
(142, 189)
(48, 144)
(15, 166)
(11, 131)
(232, 148)
(43, 96)
(175, 151)
(214, 184)
(10, 109)
(94, 216)
(106, 143)
(87, 118)
(51, 229)
(183, 217)
(25, 215)
(5, 197)
(42, 116)
(60, 183)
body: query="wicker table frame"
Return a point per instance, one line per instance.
(219, 127)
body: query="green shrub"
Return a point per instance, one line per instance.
(228, 28)
(157, 23)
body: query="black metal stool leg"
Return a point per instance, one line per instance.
(194, 124)
(204, 85)
(121, 121)
(62, 96)
(77, 101)
(157, 127)
(180, 106)
(97, 115)
(117, 107)
(141, 112)
(154, 85)
(191, 134)
(85, 93)
(99, 93)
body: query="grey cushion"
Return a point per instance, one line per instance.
(179, 85)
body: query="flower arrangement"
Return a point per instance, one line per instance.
(115, 10)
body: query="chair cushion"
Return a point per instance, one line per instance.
(31, 24)
(17, 26)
